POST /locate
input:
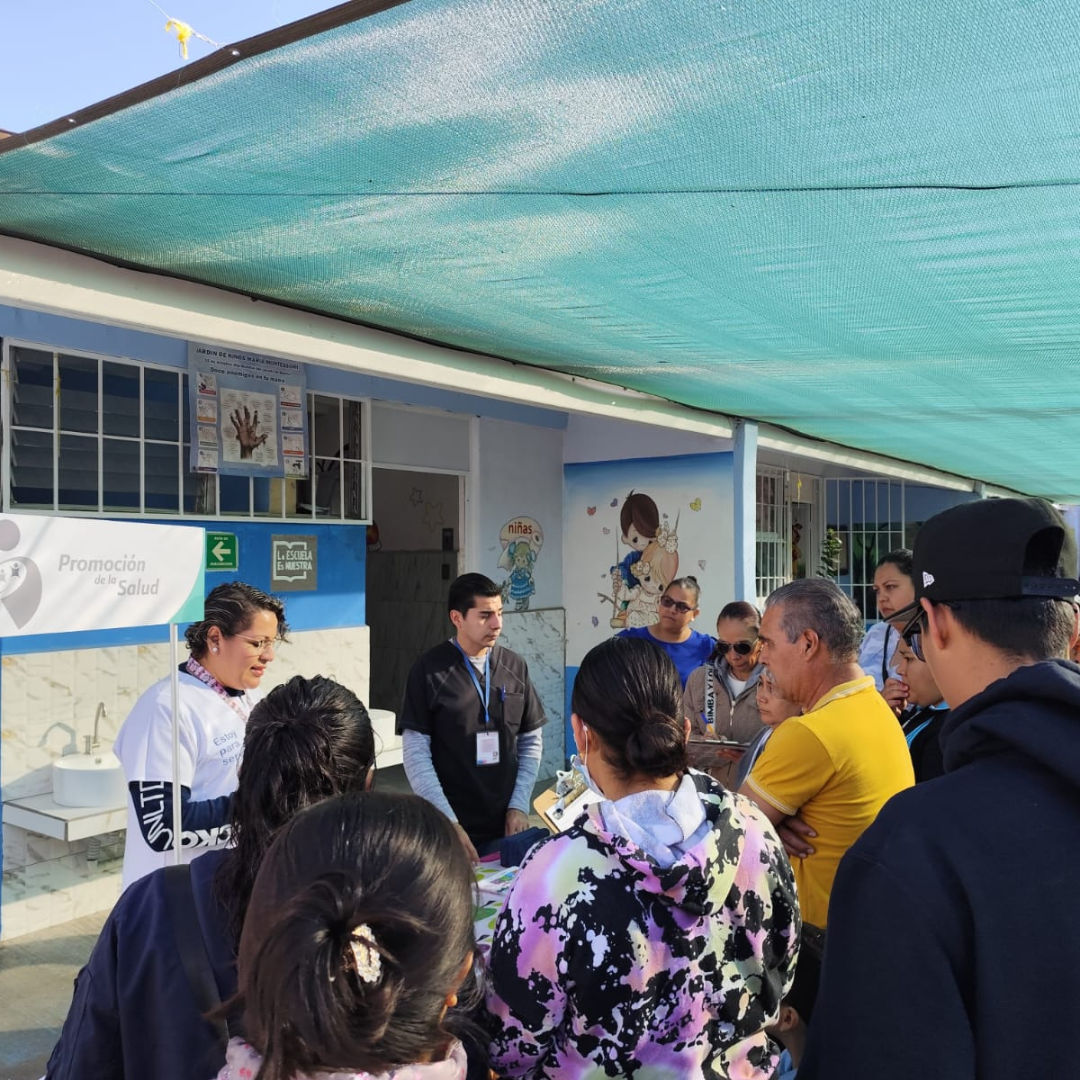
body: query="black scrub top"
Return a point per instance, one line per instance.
(441, 701)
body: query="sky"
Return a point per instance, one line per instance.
(57, 56)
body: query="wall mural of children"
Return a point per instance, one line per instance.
(658, 566)
(639, 519)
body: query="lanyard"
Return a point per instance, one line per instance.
(197, 671)
(486, 691)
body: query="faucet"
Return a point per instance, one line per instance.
(72, 746)
(93, 742)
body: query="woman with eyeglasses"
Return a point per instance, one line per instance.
(672, 632)
(219, 686)
(720, 699)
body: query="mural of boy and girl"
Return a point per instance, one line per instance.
(637, 582)
(640, 578)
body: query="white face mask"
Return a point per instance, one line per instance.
(580, 763)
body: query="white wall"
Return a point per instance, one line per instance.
(519, 475)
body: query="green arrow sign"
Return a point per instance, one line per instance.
(222, 552)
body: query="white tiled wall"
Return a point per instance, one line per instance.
(47, 703)
(540, 637)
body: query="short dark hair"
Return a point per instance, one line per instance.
(822, 606)
(901, 558)
(690, 584)
(390, 869)
(641, 512)
(305, 741)
(629, 691)
(465, 589)
(741, 610)
(231, 607)
(1024, 627)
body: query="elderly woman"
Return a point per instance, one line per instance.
(657, 935)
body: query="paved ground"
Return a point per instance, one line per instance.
(37, 972)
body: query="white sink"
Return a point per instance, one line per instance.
(89, 780)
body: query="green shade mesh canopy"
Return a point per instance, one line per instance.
(854, 218)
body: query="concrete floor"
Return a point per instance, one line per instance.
(36, 976)
(37, 972)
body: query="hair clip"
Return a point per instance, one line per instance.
(366, 956)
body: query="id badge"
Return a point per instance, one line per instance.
(487, 748)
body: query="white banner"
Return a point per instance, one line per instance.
(60, 574)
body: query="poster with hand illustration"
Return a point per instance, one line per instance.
(253, 406)
(634, 526)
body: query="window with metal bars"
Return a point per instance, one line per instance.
(773, 532)
(90, 434)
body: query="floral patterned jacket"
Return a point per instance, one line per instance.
(605, 964)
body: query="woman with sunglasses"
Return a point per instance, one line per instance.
(219, 686)
(720, 699)
(678, 609)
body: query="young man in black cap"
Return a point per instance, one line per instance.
(954, 945)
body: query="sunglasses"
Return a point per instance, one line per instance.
(743, 648)
(678, 605)
(913, 632)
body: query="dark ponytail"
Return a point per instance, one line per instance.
(359, 923)
(629, 691)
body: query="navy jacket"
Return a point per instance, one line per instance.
(954, 944)
(133, 1013)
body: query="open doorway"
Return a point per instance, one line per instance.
(412, 556)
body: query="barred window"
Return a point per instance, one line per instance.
(90, 434)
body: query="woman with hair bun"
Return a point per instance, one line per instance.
(358, 938)
(218, 687)
(658, 934)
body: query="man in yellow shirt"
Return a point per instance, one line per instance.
(845, 757)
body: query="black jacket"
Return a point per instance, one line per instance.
(954, 945)
(134, 1014)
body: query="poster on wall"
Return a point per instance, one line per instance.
(634, 526)
(247, 413)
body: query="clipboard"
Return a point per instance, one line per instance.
(704, 754)
(560, 806)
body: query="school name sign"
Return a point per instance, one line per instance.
(62, 574)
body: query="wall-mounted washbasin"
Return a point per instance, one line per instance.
(89, 780)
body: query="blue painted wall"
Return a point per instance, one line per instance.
(60, 332)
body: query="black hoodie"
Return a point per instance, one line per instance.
(954, 934)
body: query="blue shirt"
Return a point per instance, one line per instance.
(688, 654)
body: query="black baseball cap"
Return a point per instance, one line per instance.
(978, 550)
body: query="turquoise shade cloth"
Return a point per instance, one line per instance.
(858, 220)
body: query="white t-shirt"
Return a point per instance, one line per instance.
(737, 685)
(211, 739)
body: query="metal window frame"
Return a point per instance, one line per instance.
(7, 360)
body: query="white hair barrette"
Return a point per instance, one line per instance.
(365, 955)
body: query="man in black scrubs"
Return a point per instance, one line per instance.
(470, 723)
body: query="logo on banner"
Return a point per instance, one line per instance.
(20, 579)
